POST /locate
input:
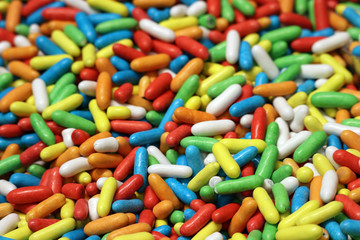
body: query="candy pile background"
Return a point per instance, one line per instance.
(179, 119)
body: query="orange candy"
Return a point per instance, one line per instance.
(106, 224)
(351, 139)
(194, 66)
(20, 93)
(191, 116)
(103, 90)
(13, 15)
(23, 70)
(275, 89)
(150, 63)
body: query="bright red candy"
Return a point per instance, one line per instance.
(295, 19)
(32, 6)
(245, 28)
(10, 130)
(143, 40)
(147, 216)
(158, 86)
(175, 136)
(258, 124)
(304, 44)
(31, 194)
(192, 46)
(272, 8)
(55, 181)
(81, 209)
(150, 198)
(25, 124)
(123, 93)
(129, 187)
(129, 126)
(216, 36)
(170, 126)
(79, 136)
(321, 14)
(139, 14)
(351, 208)
(37, 224)
(73, 190)
(256, 222)
(91, 189)
(225, 213)
(126, 166)
(31, 154)
(62, 13)
(162, 102)
(170, 49)
(126, 52)
(344, 158)
(89, 74)
(214, 7)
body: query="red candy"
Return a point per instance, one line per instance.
(27, 195)
(170, 49)
(79, 136)
(73, 190)
(81, 209)
(128, 188)
(192, 46)
(37, 224)
(123, 93)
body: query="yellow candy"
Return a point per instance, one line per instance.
(18, 83)
(51, 152)
(211, 68)
(344, 191)
(193, 103)
(209, 229)
(313, 111)
(266, 205)
(160, 222)
(3, 6)
(118, 112)
(321, 214)
(304, 174)
(238, 236)
(67, 104)
(203, 177)
(65, 43)
(22, 109)
(21, 233)
(265, 44)
(215, 78)
(83, 178)
(332, 84)
(308, 232)
(45, 62)
(328, 59)
(312, 124)
(322, 164)
(236, 145)
(205, 100)
(22, 223)
(55, 230)
(67, 210)
(251, 74)
(89, 55)
(136, 236)
(106, 197)
(354, 152)
(179, 23)
(177, 227)
(297, 99)
(331, 112)
(226, 161)
(102, 122)
(252, 38)
(77, 66)
(108, 52)
(109, 6)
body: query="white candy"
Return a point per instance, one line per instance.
(137, 112)
(4, 45)
(100, 182)
(167, 70)
(66, 135)
(264, 61)
(210, 158)
(337, 128)
(246, 120)
(232, 46)
(92, 204)
(267, 185)
(300, 112)
(169, 170)
(205, 32)
(156, 153)
(284, 134)
(215, 236)
(314, 71)
(34, 28)
(156, 30)
(41, 97)
(222, 102)
(329, 186)
(196, 9)
(212, 128)
(75, 166)
(289, 146)
(331, 43)
(214, 180)
(109, 144)
(80, 4)
(3, 70)
(9, 223)
(21, 41)
(178, 10)
(320, 82)
(6, 187)
(283, 108)
(291, 184)
(87, 87)
(329, 152)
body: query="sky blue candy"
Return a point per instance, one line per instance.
(30, 139)
(256, 160)
(274, 22)
(102, 17)
(356, 51)
(326, 32)
(5, 91)
(345, 147)
(245, 155)
(352, 16)
(8, 118)
(206, 42)
(141, 164)
(334, 140)
(305, 33)
(84, 114)
(112, 37)
(164, 229)
(247, 105)
(247, 135)
(126, 76)
(351, 227)
(158, 15)
(119, 63)
(24, 180)
(245, 59)
(334, 230)
(130, 7)
(170, 111)
(146, 137)
(85, 26)
(2, 61)
(93, 237)
(300, 197)
(181, 191)
(261, 78)
(194, 159)
(2, 24)
(125, 206)
(5, 238)
(36, 16)
(51, 75)
(181, 160)
(178, 63)
(188, 213)
(4, 142)
(188, 2)
(308, 86)
(223, 200)
(77, 234)
(47, 46)
(3, 200)
(183, 238)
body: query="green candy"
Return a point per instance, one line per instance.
(217, 53)
(272, 133)
(10, 164)
(282, 34)
(115, 25)
(208, 21)
(66, 79)
(177, 216)
(203, 143)
(41, 129)
(267, 162)
(269, 231)
(254, 235)
(278, 49)
(333, 100)
(154, 117)
(245, 7)
(36, 170)
(310, 146)
(5, 80)
(282, 202)
(302, 58)
(281, 173)
(69, 120)
(227, 11)
(289, 74)
(216, 89)
(188, 88)
(66, 92)
(172, 155)
(75, 34)
(301, 7)
(351, 122)
(207, 194)
(153, 160)
(354, 32)
(311, 12)
(239, 185)
(22, 29)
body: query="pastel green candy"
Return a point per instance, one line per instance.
(9, 164)
(67, 78)
(217, 53)
(351, 122)
(239, 185)
(115, 25)
(354, 32)
(22, 29)
(272, 133)
(36, 170)
(267, 162)
(281, 173)
(67, 90)
(153, 160)
(154, 117)
(302, 58)
(188, 89)
(333, 100)
(41, 129)
(289, 74)
(311, 12)
(207, 194)
(203, 143)
(208, 21)
(216, 89)
(227, 11)
(177, 216)
(282, 202)
(269, 231)
(300, 8)
(172, 155)
(70, 120)
(278, 49)
(75, 34)
(245, 7)
(5, 80)
(254, 235)
(310, 146)
(282, 34)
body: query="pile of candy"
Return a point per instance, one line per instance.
(165, 119)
